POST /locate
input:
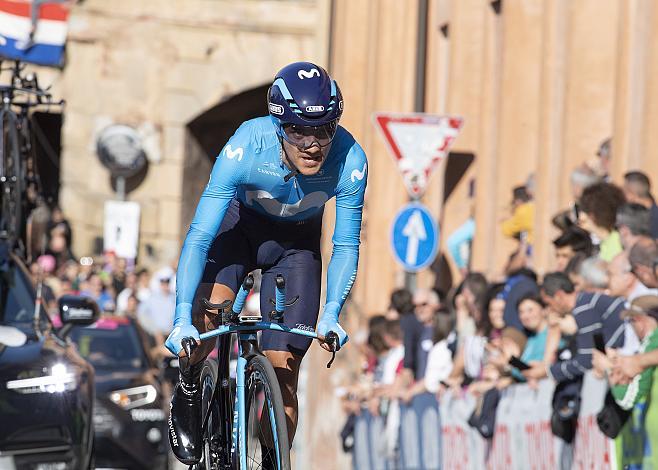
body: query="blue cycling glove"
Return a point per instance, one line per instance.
(179, 332)
(329, 322)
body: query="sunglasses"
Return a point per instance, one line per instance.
(304, 137)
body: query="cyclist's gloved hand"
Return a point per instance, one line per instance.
(329, 322)
(179, 332)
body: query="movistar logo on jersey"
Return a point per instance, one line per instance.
(231, 154)
(358, 175)
(314, 109)
(276, 109)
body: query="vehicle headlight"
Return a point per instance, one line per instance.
(59, 380)
(133, 397)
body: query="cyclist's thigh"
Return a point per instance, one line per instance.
(230, 256)
(302, 270)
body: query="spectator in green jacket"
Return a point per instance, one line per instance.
(640, 432)
(643, 315)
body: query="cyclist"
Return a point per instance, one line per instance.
(262, 208)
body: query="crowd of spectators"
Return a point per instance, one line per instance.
(118, 287)
(595, 309)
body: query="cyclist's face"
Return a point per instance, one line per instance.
(307, 147)
(308, 161)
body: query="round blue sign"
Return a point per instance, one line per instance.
(415, 237)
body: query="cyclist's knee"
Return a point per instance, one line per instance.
(203, 319)
(286, 366)
(284, 360)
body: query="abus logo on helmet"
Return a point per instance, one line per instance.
(276, 109)
(314, 109)
(302, 74)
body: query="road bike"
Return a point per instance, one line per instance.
(244, 422)
(19, 182)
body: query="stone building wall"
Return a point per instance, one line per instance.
(539, 83)
(155, 65)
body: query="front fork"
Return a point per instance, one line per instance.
(247, 347)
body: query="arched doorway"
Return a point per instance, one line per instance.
(206, 135)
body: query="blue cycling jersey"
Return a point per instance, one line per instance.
(250, 168)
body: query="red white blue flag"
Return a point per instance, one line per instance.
(34, 30)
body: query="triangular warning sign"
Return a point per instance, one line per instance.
(418, 142)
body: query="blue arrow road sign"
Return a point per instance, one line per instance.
(415, 237)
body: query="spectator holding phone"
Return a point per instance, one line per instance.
(533, 319)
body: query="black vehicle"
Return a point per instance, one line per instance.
(46, 388)
(131, 395)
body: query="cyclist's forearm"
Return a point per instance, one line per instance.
(189, 273)
(341, 274)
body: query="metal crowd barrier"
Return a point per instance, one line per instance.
(433, 436)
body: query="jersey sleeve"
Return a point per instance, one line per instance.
(351, 188)
(231, 169)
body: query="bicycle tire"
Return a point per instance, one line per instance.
(208, 381)
(12, 190)
(217, 402)
(260, 376)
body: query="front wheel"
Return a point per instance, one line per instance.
(267, 433)
(11, 182)
(216, 454)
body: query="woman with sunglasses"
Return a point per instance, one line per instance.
(262, 208)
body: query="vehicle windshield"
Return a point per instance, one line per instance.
(17, 296)
(110, 345)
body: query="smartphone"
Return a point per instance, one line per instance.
(523, 237)
(518, 363)
(599, 344)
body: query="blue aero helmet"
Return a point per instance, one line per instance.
(306, 104)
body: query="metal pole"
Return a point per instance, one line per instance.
(121, 188)
(421, 56)
(419, 98)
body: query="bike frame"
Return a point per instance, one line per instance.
(247, 347)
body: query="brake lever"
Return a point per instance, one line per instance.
(333, 356)
(189, 345)
(332, 340)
